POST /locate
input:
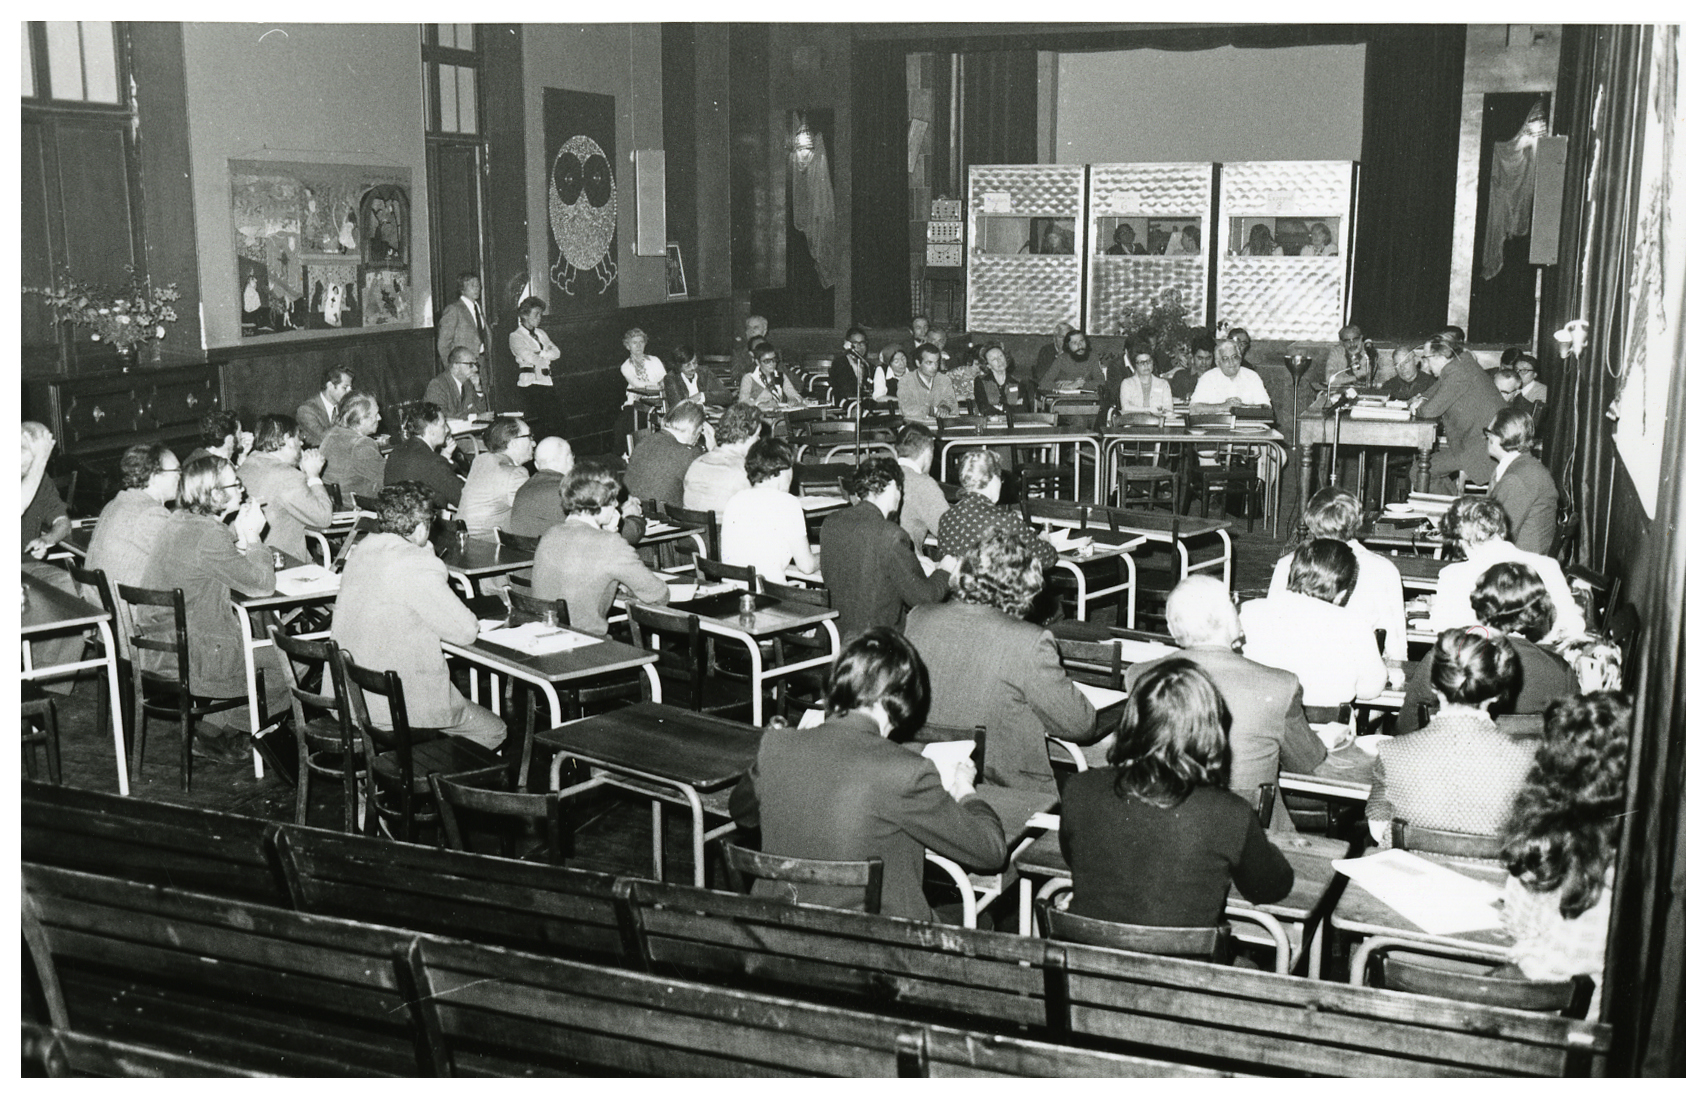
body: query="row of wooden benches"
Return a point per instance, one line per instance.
(506, 965)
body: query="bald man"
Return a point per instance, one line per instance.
(538, 506)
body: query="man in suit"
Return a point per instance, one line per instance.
(868, 561)
(1269, 733)
(661, 459)
(845, 790)
(1464, 399)
(130, 524)
(424, 455)
(1532, 390)
(315, 416)
(991, 667)
(457, 390)
(285, 479)
(584, 560)
(538, 505)
(395, 606)
(463, 323)
(1522, 485)
(1506, 381)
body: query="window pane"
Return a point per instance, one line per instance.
(464, 36)
(447, 35)
(447, 98)
(64, 61)
(100, 62)
(468, 116)
(27, 69)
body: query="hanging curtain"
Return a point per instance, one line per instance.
(999, 108)
(880, 148)
(1511, 190)
(814, 203)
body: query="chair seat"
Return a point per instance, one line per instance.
(446, 755)
(1147, 472)
(323, 735)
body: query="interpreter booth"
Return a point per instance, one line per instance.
(1025, 246)
(1149, 225)
(1285, 241)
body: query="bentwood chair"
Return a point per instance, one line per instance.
(1463, 845)
(326, 743)
(469, 802)
(1384, 962)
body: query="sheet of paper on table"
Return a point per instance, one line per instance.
(821, 503)
(1436, 898)
(681, 592)
(304, 579)
(947, 755)
(1133, 651)
(656, 526)
(538, 639)
(1101, 697)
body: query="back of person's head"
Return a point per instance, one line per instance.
(1172, 736)
(356, 407)
(1201, 613)
(405, 506)
(680, 356)
(740, 422)
(687, 416)
(1454, 332)
(1511, 597)
(872, 476)
(1333, 513)
(502, 432)
(767, 459)
(1445, 343)
(1323, 568)
(880, 668)
(1562, 834)
(589, 490)
(1001, 571)
(419, 417)
(979, 467)
(199, 484)
(914, 442)
(554, 454)
(218, 426)
(274, 432)
(1513, 427)
(1510, 355)
(334, 375)
(1473, 665)
(141, 462)
(1470, 521)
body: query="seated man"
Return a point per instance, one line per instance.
(660, 460)
(767, 387)
(1229, 385)
(395, 606)
(1479, 527)
(583, 560)
(991, 667)
(765, 525)
(1506, 381)
(1533, 389)
(713, 478)
(317, 414)
(538, 505)
(1125, 242)
(868, 562)
(1408, 378)
(926, 394)
(353, 460)
(1270, 733)
(1183, 378)
(223, 436)
(1076, 368)
(285, 480)
(496, 476)
(977, 515)
(1522, 485)
(131, 523)
(845, 790)
(1353, 361)
(1051, 350)
(457, 390)
(1379, 595)
(424, 455)
(1340, 663)
(922, 501)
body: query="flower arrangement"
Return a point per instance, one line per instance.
(1165, 317)
(132, 315)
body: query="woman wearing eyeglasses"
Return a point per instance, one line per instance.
(767, 386)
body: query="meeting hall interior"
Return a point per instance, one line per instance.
(965, 549)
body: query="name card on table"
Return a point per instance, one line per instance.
(1436, 898)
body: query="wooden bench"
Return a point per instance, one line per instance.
(222, 854)
(557, 910)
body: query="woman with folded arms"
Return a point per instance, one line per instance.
(1156, 837)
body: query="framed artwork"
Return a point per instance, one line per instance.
(675, 277)
(581, 198)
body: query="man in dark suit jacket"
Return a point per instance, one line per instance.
(661, 458)
(422, 456)
(315, 416)
(845, 791)
(463, 323)
(538, 505)
(868, 561)
(1464, 399)
(1522, 485)
(455, 390)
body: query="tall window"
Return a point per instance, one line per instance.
(451, 109)
(72, 62)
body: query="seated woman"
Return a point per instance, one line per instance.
(990, 667)
(684, 380)
(1321, 241)
(1379, 594)
(767, 387)
(845, 790)
(1143, 391)
(644, 373)
(997, 389)
(1309, 631)
(1509, 598)
(353, 460)
(1461, 772)
(1260, 242)
(1562, 838)
(1155, 837)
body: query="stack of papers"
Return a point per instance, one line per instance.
(538, 639)
(305, 580)
(1101, 697)
(1142, 652)
(1436, 898)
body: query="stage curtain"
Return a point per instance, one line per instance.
(999, 108)
(1413, 86)
(879, 230)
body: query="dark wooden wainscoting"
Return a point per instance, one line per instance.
(276, 377)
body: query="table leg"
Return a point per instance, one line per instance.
(1420, 481)
(1131, 560)
(117, 703)
(1025, 906)
(250, 644)
(658, 839)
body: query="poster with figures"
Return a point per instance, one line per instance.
(581, 200)
(320, 246)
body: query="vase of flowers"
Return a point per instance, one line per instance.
(130, 319)
(1165, 319)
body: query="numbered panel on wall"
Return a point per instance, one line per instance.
(1285, 246)
(1148, 228)
(1026, 241)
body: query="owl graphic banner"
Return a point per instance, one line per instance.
(580, 200)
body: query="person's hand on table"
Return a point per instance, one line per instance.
(960, 786)
(631, 506)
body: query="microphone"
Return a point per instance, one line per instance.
(1343, 400)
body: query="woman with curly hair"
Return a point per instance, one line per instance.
(990, 667)
(1511, 598)
(1562, 838)
(1155, 837)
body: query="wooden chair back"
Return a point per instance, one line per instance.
(305, 704)
(364, 526)
(529, 608)
(745, 864)
(713, 571)
(1623, 627)
(365, 503)
(1463, 845)
(1262, 801)
(1210, 943)
(400, 739)
(1095, 662)
(1033, 419)
(692, 517)
(1569, 998)
(936, 733)
(462, 799)
(1209, 419)
(1124, 420)
(683, 663)
(334, 493)
(521, 543)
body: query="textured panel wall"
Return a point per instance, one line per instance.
(1156, 189)
(1285, 297)
(1286, 187)
(1119, 281)
(1055, 189)
(1147, 190)
(1025, 293)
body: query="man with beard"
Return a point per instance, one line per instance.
(1074, 370)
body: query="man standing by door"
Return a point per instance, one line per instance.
(463, 324)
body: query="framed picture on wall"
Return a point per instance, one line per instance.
(675, 275)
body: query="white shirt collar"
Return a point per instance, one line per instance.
(473, 306)
(1505, 463)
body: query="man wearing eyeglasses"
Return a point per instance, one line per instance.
(767, 387)
(1532, 387)
(285, 479)
(457, 390)
(496, 475)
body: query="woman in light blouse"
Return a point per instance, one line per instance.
(533, 350)
(644, 373)
(767, 386)
(1142, 391)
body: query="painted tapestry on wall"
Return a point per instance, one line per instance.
(320, 246)
(581, 196)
